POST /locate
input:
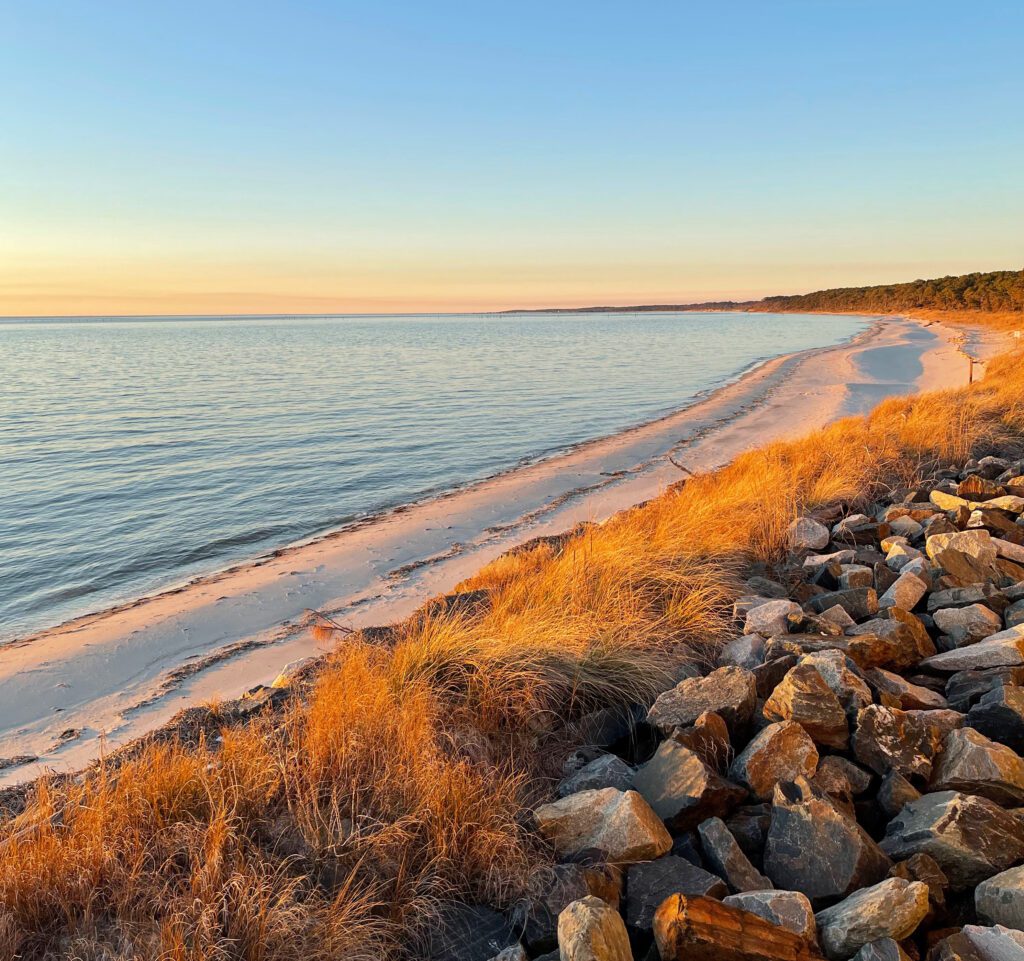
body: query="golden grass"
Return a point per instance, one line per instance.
(337, 828)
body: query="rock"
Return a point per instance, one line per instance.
(730, 692)
(702, 929)
(769, 619)
(1000, 899)
(902, 693)
(786, 909)
(814, 848)
(538, 916)
(807, 534)
(1009, 550)
(940, 721)
(619, 825)
(985, 594)
(1005, 649)
(900, 555)
(779, 752)
(889, 739)
(469, 932)
(1014, 614)
(845, 556)
(836, 615)
(967, 625)
(724, 856)
(922, 867)
(843, 677)
(966, 688)
(975, 488)
(971, 838)
(767, 588)
(907, 590)
(1010, 503)
(709, 740)
(515, 953)
(770, 674)
(803, 696)
(746, 652)
(855, 575)
(682, 789)
(888, 642)
(291, 670)
(976, 943)
(838, 776)
(858, 602)
(947, 502)
(893, 908)
(999, 715)
(605, 771)
(884, 949)
(648, 884)
(895, 793)
(590, 930)
(973, 764)
(967, 556)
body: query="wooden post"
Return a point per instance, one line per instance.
(970, 370)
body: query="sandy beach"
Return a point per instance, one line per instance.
(102, 680)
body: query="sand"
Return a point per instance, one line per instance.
(69, 693)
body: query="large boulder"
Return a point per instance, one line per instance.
(893, 908)
(725, 858)
(814, 848)
(858, 602)
(702, 929)
(649, 883)
(970, 838)
(770, 618)
(616, 826)
(730, 692)
(682, 789)
(591, 930)
(804, 696)
(1000, 899)
(780, 752)
(973, 764)
(890, 739)
(787, 909)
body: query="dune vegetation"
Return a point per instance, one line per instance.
(396, 780)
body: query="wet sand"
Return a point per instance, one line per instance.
(104, 679)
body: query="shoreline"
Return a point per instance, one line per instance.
(110, 676)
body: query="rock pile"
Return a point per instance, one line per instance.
(845, 783)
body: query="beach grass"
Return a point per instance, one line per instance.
(340, 825)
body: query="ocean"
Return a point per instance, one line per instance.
(136, 453)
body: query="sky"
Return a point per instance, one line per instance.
(315, 157)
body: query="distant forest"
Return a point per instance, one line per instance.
(997, 290)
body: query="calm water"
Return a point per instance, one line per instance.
(136, 453)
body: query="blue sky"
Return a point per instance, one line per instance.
(331, 156)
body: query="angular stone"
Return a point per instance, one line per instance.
(836, 615)
(746, 652)
(803, 696)
(976, 943)
(648, 884)
(469, 932)
(1014, 614)
(838, 776)
(889, 739)
(895, 793)
(1000, 899)
(985, 594)
(902, 693)
(899, 556)
(975, 488)
(702, 929)
(780, 752)
(590, 930)
(730, 692)
(786, 909)
(770, 674)
(967, 625)
(769, 619)
(709, 740)
(922, 867)
(971, 838)
(1009, 549)
(1005, 649)
(538, 916)
(885, 949)
(940, 721)
(907, 590)
(855, 575)
(724, 856)
(843, 677)
(973, 764)
(947, 502)
(966, 688)
(618, 825)
(858, 602)
(807, 534)
(814, 848)
(999, 715)
(514, 953)
(893, 908)
(968, 556)
(605, 771)
(682, 789)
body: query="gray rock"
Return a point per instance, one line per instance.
(803, 696)
(893, 908)
(1005, 649)
(905, 592)
(590, 930)
(469, 932)
(895, 793)
(900, 693)
(780, 752)
(648, 884)
(985, 594)
(999, 715)
(966, 688)
(605, 771)
(973, 764)
(682, 789)
(730, 692)
(884, 949)
(770, 618)
(855, 575)
(839, 778)
(1014, 614)
(889, 739)
(807, 534)
(971, 838)
(843, 677)
(746, 652)
(814, 848)
(515, 953)
(1000, 899)
(537, 916)
(786, 909)
(976, 943)
(619, 825)
(724, 856)
(967, 625)
(858, 602)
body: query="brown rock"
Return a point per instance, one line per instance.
(780, 752)
(973, 764)
(726, 859)
(590, 930)
(709, 740)
(803, 696)
(730, 692)
(889, 739)
(893, 908)
(648, 884)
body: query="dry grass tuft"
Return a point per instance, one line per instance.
(337, 828)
